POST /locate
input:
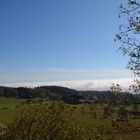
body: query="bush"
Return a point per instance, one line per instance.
(41, 122)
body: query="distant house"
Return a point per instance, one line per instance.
(29, 101)
(3, 128)
(88, 100)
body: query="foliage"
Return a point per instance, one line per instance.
(135, 108)
(122, 113)
(116, 89)
(68, 95)
(75, 120)
(49, 92)
(1, 91)
(135, 86)
(129, 33)
(107, 111)
(41, 122)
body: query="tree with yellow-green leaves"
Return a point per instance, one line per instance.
(41, 122)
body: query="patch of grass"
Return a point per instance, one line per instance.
(4, 100)
(8, 109)
(9, 102)
(7, 116)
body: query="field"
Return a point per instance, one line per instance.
(90, 116)
(8, 109)
(125, 129)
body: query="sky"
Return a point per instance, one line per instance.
(60, 41)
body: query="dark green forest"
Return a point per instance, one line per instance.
(69, 95)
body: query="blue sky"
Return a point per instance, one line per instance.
(52, 40)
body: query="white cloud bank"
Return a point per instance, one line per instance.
(78, 85)
(79, 79)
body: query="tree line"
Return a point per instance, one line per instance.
(69, 95)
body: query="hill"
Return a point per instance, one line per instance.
(68, 95)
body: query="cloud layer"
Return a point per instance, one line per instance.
(79, 79)
(78, 85)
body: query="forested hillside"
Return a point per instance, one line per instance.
(69, 95)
